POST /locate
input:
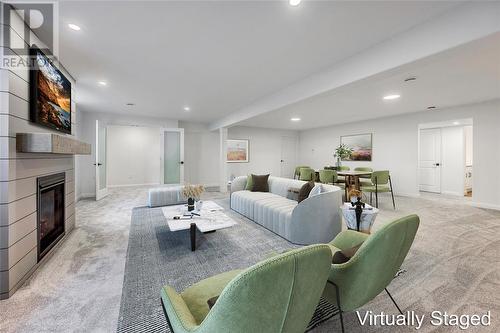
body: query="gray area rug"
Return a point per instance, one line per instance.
(156, 256)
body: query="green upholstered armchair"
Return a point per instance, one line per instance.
(373, 266)
(297, 170)
(307, 174)
(276, 295)
(380, 182)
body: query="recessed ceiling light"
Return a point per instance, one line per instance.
(411, 78)
(187, 108)
(295, 119)
(74, 27)
(102, 83)
(130, 104)
(456, 123)
(432, 107)
(294, 2)
(389, 97)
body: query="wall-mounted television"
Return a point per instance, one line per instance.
(50, 94)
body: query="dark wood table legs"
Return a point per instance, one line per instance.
(192, 235)
(351, 180)
(192, 232)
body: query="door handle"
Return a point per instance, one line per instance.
(436, 164)
(181, 162)
(98, 164)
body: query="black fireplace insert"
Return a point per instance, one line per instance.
(50, 208)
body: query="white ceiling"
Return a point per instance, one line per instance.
(463, 75)
(216, 56)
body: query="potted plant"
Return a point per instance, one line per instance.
(192, 193)
(342, 152)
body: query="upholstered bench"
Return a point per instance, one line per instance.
(165, 196)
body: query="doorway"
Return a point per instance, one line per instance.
(429, 164)
(288, 156)
(100, 163)
(445, 157)
(172, 155)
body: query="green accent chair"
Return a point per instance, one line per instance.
(380, 182)
(279, 294)
(296, 174)
(373, 266)
(307, 174)
(328, 176)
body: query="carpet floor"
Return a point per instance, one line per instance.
(454, 266)
(156, 256)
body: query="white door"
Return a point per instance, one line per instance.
(172, 155)
(101, 184)
(288, 156)
(429, 164)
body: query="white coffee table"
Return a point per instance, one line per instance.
(367, 217)
(211, 218)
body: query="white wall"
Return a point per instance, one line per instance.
(264, 150)
(452, 161)
(201, 154)
(86, 132)
(395, 142)
(469, 149)
(133, 155)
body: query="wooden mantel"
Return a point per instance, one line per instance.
(50, 143)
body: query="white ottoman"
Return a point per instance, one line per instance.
(165, 196)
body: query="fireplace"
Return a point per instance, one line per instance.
(50, 208)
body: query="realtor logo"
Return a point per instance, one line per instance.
(28, 23)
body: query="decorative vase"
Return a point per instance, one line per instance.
(339, 162)
(198, 205)
(190, 204)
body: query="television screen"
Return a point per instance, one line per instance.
(50, 99)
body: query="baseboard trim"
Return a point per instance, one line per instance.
(134, 185)
(485, 205)
(455, 194)
(85, 196)
(409, 195)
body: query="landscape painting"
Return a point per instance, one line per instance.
(361, 146)
(50, 100)
(237, 151)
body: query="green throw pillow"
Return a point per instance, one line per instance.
(249, 185)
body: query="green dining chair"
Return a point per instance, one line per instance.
(277, 295)
(307, 174)
(364, 169)
(341, 179)
(373, 266)
(296, 174)
(380, 182)
(328, 176)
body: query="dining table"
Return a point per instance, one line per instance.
(352, 179)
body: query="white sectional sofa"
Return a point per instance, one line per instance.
(314, 220)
